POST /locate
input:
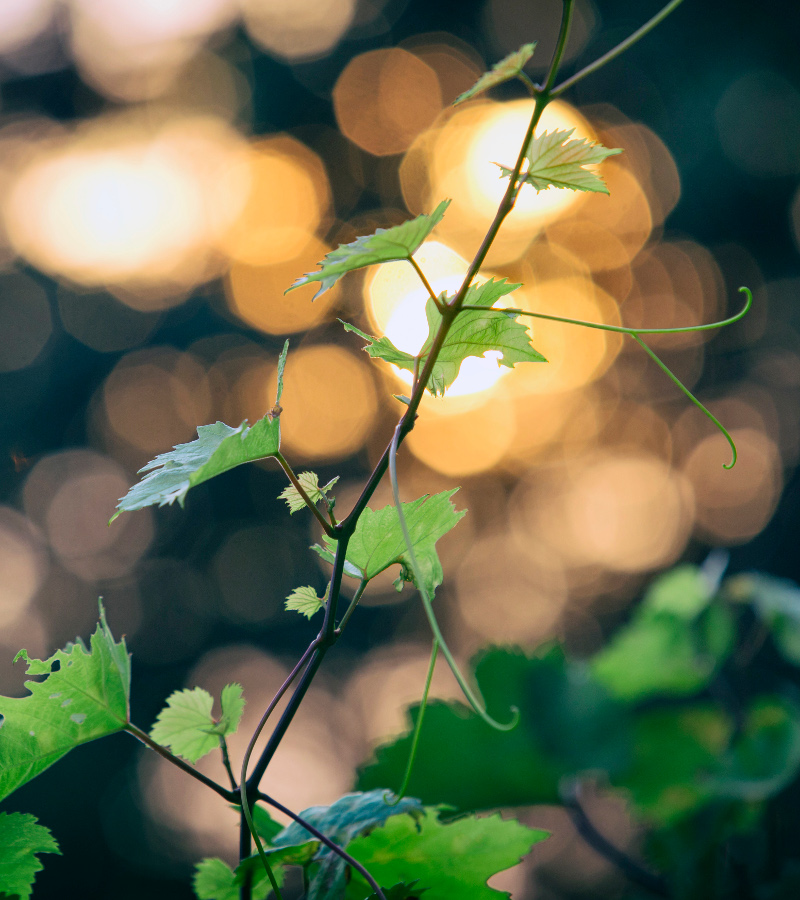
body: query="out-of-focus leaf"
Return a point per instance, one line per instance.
(385, 245)
(777, 603)
(508, 68)
(21, 840)
(682, 592)
(378, 539)
(449, 860)
(84, 696)
(556, 161)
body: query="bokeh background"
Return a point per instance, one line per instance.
(169, 167)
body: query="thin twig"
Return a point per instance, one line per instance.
(230, 796)
(325, 840)
(226, 761)
(326, 526)
(425, 281)
(352, 607)
(616, 51)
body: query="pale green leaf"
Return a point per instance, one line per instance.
(508, 68)
(448, 860)
(186, 725)
(21, 838)
(309, 482)
(84, 698)
(473, 333)
(555, 161)
(385, 245)
(378, 542)
(305, 601)
(281, 367)
(232, 703)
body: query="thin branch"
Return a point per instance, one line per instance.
(325, 840)
(352, 607)
(632, 870)
(616, 51)
(326, 526)
(230, 796)
(226, 761)
(561, 43)
(425, 281)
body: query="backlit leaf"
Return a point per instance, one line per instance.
(448, 860)
(378, 539)
(186, 725)
(305, 601)
(473, 333)
(555, 161)
(309, 481)
(218, 447)
(21, 838)
(84, 696)
(385, 245)
(506, 69)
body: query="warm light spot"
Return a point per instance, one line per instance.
(629, 513)
(462, 435)
(287, 196)
(156, 398)
(72, 495)
(23, 562)
(526, 609)
(456, 65)
(575, 355)
(329, 402)
(256, 293)
(298, 29)
(395, 299)
(384, 98)
(116, 205)
(21, 21)
(459, 162)
(734, 505)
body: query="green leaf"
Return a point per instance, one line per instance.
(505, 70)
(213, 880)
(682, 592)
(776, 601)
(83, 698)
(349, 816)
(278, 857)
(309, 481)
(21, 838)
(385, 245)
(266, 826)
(567, 723)
(378, 542)
(473, 333)
(281, 367)
(400, 891)
(217, 448)
(449, 860)
(305, 601)
(232, 704)
(553, 161)
(187, 727)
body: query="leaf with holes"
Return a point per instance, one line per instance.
(509, 67)
(555, 161)
(385, 245)
(84, 696)
(218, 448)
(378, 542)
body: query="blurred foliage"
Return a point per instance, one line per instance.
(676, 714)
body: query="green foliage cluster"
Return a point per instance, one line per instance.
(644, 709)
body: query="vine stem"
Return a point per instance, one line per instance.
(474, 702)
(425, 281)
(350, 860)
(352, 607)
(230, 796)
(326, 526)
(616, 51)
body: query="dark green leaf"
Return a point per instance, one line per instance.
(266, 826)
(349, 816)
(84, 698)
(213, 880)
(473, 333)
(449, 860)
(378, 539)
(21, 839)
(555, 161)
(506, 69)
(385, 245)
